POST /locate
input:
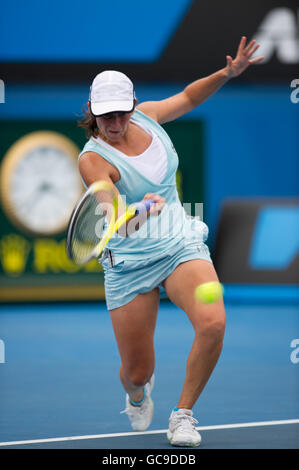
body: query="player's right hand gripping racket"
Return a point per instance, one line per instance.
(94, 221)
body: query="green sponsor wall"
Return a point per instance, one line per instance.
(35, 267)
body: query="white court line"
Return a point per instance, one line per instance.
(145, 433)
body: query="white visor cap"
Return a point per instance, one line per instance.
(111, 91)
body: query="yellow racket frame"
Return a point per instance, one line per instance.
(114, 223)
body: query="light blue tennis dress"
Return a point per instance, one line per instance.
(139, 263)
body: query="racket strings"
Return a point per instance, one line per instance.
(89, 228)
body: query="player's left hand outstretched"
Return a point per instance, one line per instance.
(243, 59)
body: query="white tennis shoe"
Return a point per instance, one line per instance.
(141, 416)
(182, 431)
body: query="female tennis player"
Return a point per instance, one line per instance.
(128, 148)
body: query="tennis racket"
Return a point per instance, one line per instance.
(94, 221)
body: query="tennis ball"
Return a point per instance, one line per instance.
(209, 292)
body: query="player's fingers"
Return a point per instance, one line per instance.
(156, 209)
(158, 206)
(155, 197)
(159, 203)
(150, 196)
(255, 61)
(249, 46)
(252, 51)
(241, 45)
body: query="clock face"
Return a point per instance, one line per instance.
(41, 182)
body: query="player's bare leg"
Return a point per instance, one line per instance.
(208, 321)
(134, 327)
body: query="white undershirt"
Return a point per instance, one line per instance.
(152, 163)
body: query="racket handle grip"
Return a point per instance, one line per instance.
(144, 206)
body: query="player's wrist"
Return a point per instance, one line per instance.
(226, 74)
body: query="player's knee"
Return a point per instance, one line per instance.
(213, 328)
(139, 376)
(216, 329)
(139, 379)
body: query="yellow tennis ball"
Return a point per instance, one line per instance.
(209, 292)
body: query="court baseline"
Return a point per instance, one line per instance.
(160, 431)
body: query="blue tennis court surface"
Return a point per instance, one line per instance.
(60, 378)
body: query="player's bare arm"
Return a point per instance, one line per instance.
(93, 168)
(198, 91)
